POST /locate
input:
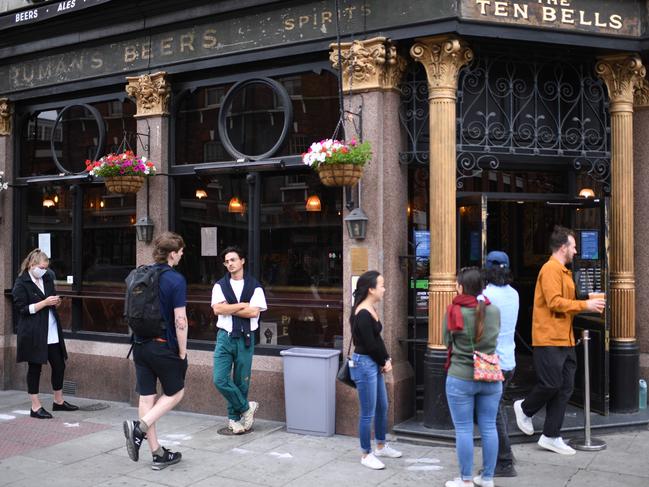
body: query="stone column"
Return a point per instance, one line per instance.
(442, 57)
(621, 73)
(7, 337)
(151, 93)
(371, 72)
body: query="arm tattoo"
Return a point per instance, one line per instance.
(181, 323)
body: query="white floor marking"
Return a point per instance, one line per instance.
(280, 455)
(422, 460)
(241, 450)
(71, 425)
(7, 417)
(169, 442)
(21, 411)
(424, 467)
(179, 437)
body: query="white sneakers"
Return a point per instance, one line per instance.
(236, 427)
(370, 461)
(482, 482)
(523, 421)
(458, 482)
(248, 417)
(387, 451)
(556, 445)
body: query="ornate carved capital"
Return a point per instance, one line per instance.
(443, 57)
(369, 65)
(5, 116)
(641, 94)
(621, 73)
(151, 93)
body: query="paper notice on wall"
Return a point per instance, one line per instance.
(268, 333)
(354, 282)
(209, 242)
(44, 243)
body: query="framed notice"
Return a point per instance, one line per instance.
(209, 247)
(267, 333)
(589, 244)
(45, 243)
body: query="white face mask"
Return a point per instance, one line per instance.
(37, 272)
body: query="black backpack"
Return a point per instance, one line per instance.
(142, 304)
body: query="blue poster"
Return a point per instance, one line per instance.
(589, 244)
(422, 243)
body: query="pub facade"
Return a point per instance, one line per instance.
(490, 122)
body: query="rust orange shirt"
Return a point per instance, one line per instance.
(555, 304)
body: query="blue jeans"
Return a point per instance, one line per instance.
(463, 397)
(373, 400)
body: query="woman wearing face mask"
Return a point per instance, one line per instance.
(40, 337)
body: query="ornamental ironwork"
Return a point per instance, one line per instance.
(413, 114)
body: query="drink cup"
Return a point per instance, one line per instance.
(597, 295)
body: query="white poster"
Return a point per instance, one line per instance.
(44, 243)
(267, 333)
(354, 282)
(209, 242)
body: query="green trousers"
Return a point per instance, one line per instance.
(232, 367)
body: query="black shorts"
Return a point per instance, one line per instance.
(155, 361)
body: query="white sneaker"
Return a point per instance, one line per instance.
(248, 417)
(236, 427)
(484, 483)
(523, 421)
(458, 482)
(370, 461)
(387, 451)
(556, 445)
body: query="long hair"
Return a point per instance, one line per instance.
(470, 278)
(35, 257)
(366, 282)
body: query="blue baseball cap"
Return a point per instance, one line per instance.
(497, 258)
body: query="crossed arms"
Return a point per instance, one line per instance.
(242, 310)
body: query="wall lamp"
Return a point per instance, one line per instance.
(356, 223)
(144, 229)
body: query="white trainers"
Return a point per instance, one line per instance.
(387, 451)
(556, 445)
(248, 417)
(370, 461)
(523, 421)
(458, 482)
(482, 482)
(236, 427)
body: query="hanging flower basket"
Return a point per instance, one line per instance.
(337, 163)
(122, 173)
(124, 184)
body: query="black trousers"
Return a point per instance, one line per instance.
(55, 358)
(505, 456)
(555, 372)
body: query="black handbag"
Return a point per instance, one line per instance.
(344, 375)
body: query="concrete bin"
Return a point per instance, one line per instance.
(310, 390)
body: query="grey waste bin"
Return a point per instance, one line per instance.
(310, 390)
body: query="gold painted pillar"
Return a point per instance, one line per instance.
(442, 57)
(622, 73)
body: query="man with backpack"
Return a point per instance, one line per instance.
(237, 300)
(155, 311)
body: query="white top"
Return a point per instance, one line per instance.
(505, 298)
(52, 330)
(258, 300)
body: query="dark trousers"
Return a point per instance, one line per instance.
(505, 456)
(55, 358)
(555, 372)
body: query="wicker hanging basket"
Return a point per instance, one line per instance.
(124, 184)
(340, 174)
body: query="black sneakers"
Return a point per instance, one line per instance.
(134, 438)
(167, 458)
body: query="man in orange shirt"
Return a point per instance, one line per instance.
(555, 361)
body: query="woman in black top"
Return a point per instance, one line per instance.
(40, 337)
(370, 362)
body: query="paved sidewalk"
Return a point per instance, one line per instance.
(86, 448)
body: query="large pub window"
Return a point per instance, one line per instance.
(89, 231)
(299, 250)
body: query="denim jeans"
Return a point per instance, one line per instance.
(505, 455)
(463, 397)
(373, 400)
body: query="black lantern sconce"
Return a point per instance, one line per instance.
(144, 229)
(356, 223)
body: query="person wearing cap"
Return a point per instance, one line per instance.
(555, 360)
(498, 277)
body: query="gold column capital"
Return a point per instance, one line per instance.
(5, 116)
(641, 94)
(621, 73)
(368, 65)
(151, 93)
(442, 57)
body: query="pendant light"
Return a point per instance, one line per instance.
(235, 205)
(313, 203)
(201, 193)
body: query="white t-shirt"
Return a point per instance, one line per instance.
(52, 330)
(258, 300)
